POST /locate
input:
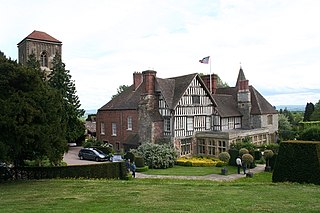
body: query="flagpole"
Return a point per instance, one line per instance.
(210, 77)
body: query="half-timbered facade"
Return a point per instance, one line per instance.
(183, 111)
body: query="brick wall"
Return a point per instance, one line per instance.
(120, 118)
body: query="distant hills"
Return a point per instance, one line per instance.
(291, 107)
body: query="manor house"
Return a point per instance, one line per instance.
(186, 112)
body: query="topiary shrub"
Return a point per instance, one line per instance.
(247, 159)
(243, 151)
(268, 154)
(139, 161)
(225, 157)
(298, 161)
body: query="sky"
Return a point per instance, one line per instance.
(277, 42)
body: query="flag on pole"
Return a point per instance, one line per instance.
(205, 60)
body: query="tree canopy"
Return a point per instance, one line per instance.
(31, 121)
(60, 79)
(120, 89)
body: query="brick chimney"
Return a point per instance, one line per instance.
(137, 80)
(149, 78)
(206, 80)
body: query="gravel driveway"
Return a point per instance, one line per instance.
(71, 157)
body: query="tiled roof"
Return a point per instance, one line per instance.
(259, 105)
(41, 36)
(128, 99)
(226, 105)
(173, 89)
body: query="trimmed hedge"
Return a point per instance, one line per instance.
(116, 170)
(139, 161)
(234, 153)
(298, 161)
(142, 169)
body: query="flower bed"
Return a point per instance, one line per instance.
(198, 161)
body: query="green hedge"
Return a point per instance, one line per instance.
(139, 161)
(116, 170)
(234, 153)
(298, 161)
(142, 169)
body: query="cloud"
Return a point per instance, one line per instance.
(104, 42)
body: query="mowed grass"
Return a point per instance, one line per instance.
(190, 171)
(257, 194)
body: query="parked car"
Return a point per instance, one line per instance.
(116, 158)
(92, 154)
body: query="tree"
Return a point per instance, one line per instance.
(120, 90)
(60, 80)
(315, 116)
(310, 134)
(285, 128)
(220, 83)
(31, 124)
(308, 111)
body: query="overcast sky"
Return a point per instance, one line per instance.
(277, 42)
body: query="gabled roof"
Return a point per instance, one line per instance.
(226, 105)
(172, 89)
(259, 105)
(41, 36)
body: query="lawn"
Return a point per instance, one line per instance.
(255, 194)
(189, 170)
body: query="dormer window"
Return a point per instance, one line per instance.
(44, 59)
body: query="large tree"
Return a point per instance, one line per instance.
(60, 79)
(31, 124)
(308, 111)
(315, 116)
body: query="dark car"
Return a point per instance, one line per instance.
(92, 154)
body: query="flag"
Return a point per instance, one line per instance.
(205, 60)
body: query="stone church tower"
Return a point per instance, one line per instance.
(44, 46)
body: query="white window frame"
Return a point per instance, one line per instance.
(129, 123)
(114, 129)
(102, 128)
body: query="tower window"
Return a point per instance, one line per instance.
(44, 59)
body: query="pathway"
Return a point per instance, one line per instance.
(214, 177)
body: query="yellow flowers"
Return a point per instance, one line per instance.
(198, 161)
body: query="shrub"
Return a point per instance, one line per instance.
(310, 134)
(139, 161)
(157, 156)
(224, 156)
(298, 161)
(257, 155)
(130, 155)
(243, 151)
(268, 154)
(247, 159)
(234, 153)
(142, 169)
(115, 170)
